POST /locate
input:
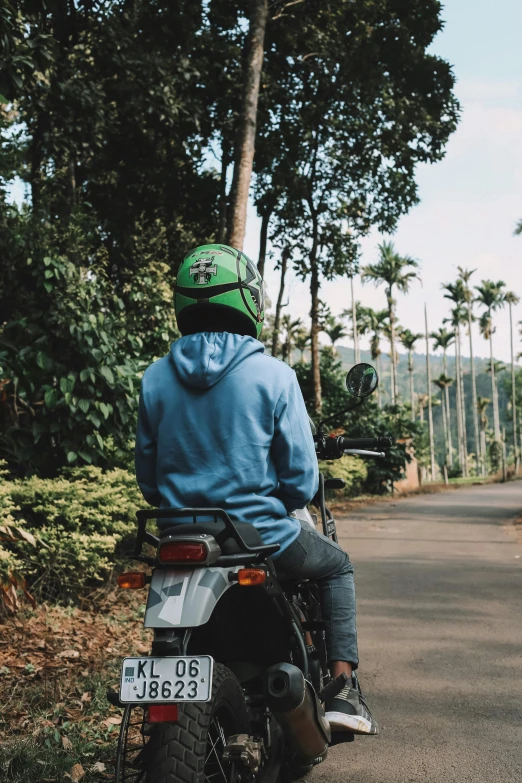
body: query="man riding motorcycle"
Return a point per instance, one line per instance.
(223, 424)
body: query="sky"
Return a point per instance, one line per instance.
(470, 201)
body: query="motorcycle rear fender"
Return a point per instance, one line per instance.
(185, 598)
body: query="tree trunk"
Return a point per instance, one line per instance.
(314, 334)
(513, 393)
(223, 198)
(393, 373)
(430, 412)
(245, 144)
(463, 410)
(378, 362)
(279, 306)
(445, 428)
(458, 401)
(448, 412)
(263, 240)
(410, 370)
(478, 457)
(36, 161)
(356, 354)
(496, 420)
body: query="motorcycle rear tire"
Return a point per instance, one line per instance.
(182, 752)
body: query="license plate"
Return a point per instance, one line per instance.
(150, 680)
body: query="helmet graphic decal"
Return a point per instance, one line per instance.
(201, 271)
(256, 290)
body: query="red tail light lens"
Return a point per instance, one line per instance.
(182, 552)
(162, 713)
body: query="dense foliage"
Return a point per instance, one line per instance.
(71, 357)
(366, 420)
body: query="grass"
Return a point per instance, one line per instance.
(56, 665)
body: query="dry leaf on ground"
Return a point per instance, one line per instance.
(66, 743)
(113, 720)
(77, 773)
(98, 767)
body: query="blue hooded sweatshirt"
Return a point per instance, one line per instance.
(223, 425)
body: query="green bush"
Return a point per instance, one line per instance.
(351, 469)
(71, 360)
(59, 535)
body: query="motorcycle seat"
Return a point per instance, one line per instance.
(229, 546)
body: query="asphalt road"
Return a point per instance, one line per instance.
(439, 584)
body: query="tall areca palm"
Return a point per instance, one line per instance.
(443, 382)
(291, 329)
(372, 322)
(491, 296)
(512, 299)
(465, 276)
(457, 294)
(422, 401)
(335, 330)
(443, 339)
(302, 341)
(396, 272)
(408, 339)
(482, 405)
(355, 315)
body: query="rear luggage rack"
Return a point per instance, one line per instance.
(247, 554)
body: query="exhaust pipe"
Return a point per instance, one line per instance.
(298, 711)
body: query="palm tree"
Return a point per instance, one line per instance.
(396, 272)
(465, 276)
(422, 401)
(430, 403)
(408, 339)
(302, 341)
(355, 315)
(456, 293)
(491, 296)
(443, 382)
(482, 404)
(373, 322)
(335, 330)
(512, 299)
(443, 339)
(290, 330)
(518, 229)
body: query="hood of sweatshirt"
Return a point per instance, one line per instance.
(201, 360)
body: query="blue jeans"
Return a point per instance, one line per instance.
(315, 557)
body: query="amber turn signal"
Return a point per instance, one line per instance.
(132, 580)
(249, 577)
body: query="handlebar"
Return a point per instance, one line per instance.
(335, 447)
(367, 443)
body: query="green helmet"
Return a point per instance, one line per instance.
(218, 284)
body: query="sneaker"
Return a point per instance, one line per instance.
(348, 711)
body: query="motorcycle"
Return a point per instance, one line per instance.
(234, 687)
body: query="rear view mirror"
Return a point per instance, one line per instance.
(362, 380)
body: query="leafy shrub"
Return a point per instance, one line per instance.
(351, 469)
(495, 455)
(59, 535)
(71, 360)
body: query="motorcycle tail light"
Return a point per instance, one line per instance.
(250, 577)
(182, 552)
(162, 713)
(132, 580)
